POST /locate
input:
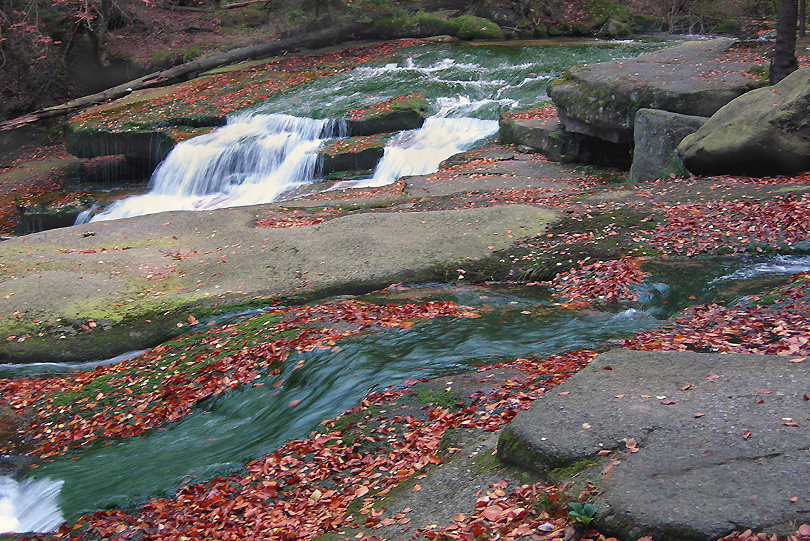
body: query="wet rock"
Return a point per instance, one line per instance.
(353, 153)
(694, 78)
(402, 113)
(657, 135)
(720, 442)
(765, 132)
(548, 137)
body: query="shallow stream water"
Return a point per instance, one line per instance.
(236, 427)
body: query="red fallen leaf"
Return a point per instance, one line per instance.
(791, 423)
(764, 391)
(698, 415)
(712, 376)
(667, 402)
(603, 452)
(631, 443)
(746, 434)
(797, 360)
(687, 387)
(410, 382)
(492, 513)
(805, 397)
(804, 530)
(192, 320)
(293, 403)
(607, 367)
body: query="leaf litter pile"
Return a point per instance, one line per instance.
(334, 481)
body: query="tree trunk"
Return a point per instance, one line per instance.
(802, 17)
(784, 57)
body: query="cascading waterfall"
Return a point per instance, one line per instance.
(419, 152)
(253, 159)
(29, 505)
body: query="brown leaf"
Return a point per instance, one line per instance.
(746, 434)
(631, 443)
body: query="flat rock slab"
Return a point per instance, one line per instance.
(723, 442)
(694, 78)
(121, 273)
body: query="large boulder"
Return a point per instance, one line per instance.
(657, 135)
(679, 445)
(765, 132)
(694, 78)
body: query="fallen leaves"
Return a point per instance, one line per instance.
(777, 329)
(738, 225)
(605, 281)
(162, 385)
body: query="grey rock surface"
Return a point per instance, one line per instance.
(765, 132)
(694, 78)
(723, 442)
(545, 135)
(548, 137)
(123, 274)
(656, 136)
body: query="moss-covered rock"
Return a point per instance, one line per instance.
(419, 25)
(766, 132)
(401, 113)
(695, 78)
(472, 27)
(353, 153)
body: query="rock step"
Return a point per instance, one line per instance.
(695, 445)
(548, 137)
(694, 78)
(353, 153)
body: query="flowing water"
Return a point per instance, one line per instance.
(267, 154)
(236, 427)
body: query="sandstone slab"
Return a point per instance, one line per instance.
(721, 442)
(694, 78)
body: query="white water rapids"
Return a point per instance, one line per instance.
(29, 505)
(256, 158)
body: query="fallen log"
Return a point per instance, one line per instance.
(325, 37)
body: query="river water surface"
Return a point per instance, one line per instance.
(236, 427)
(269, 153)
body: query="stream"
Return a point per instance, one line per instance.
(264, 155)
(230, 430)
(269, 153)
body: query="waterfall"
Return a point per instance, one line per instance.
(419, 152)
(253, 159)
(29, 505)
